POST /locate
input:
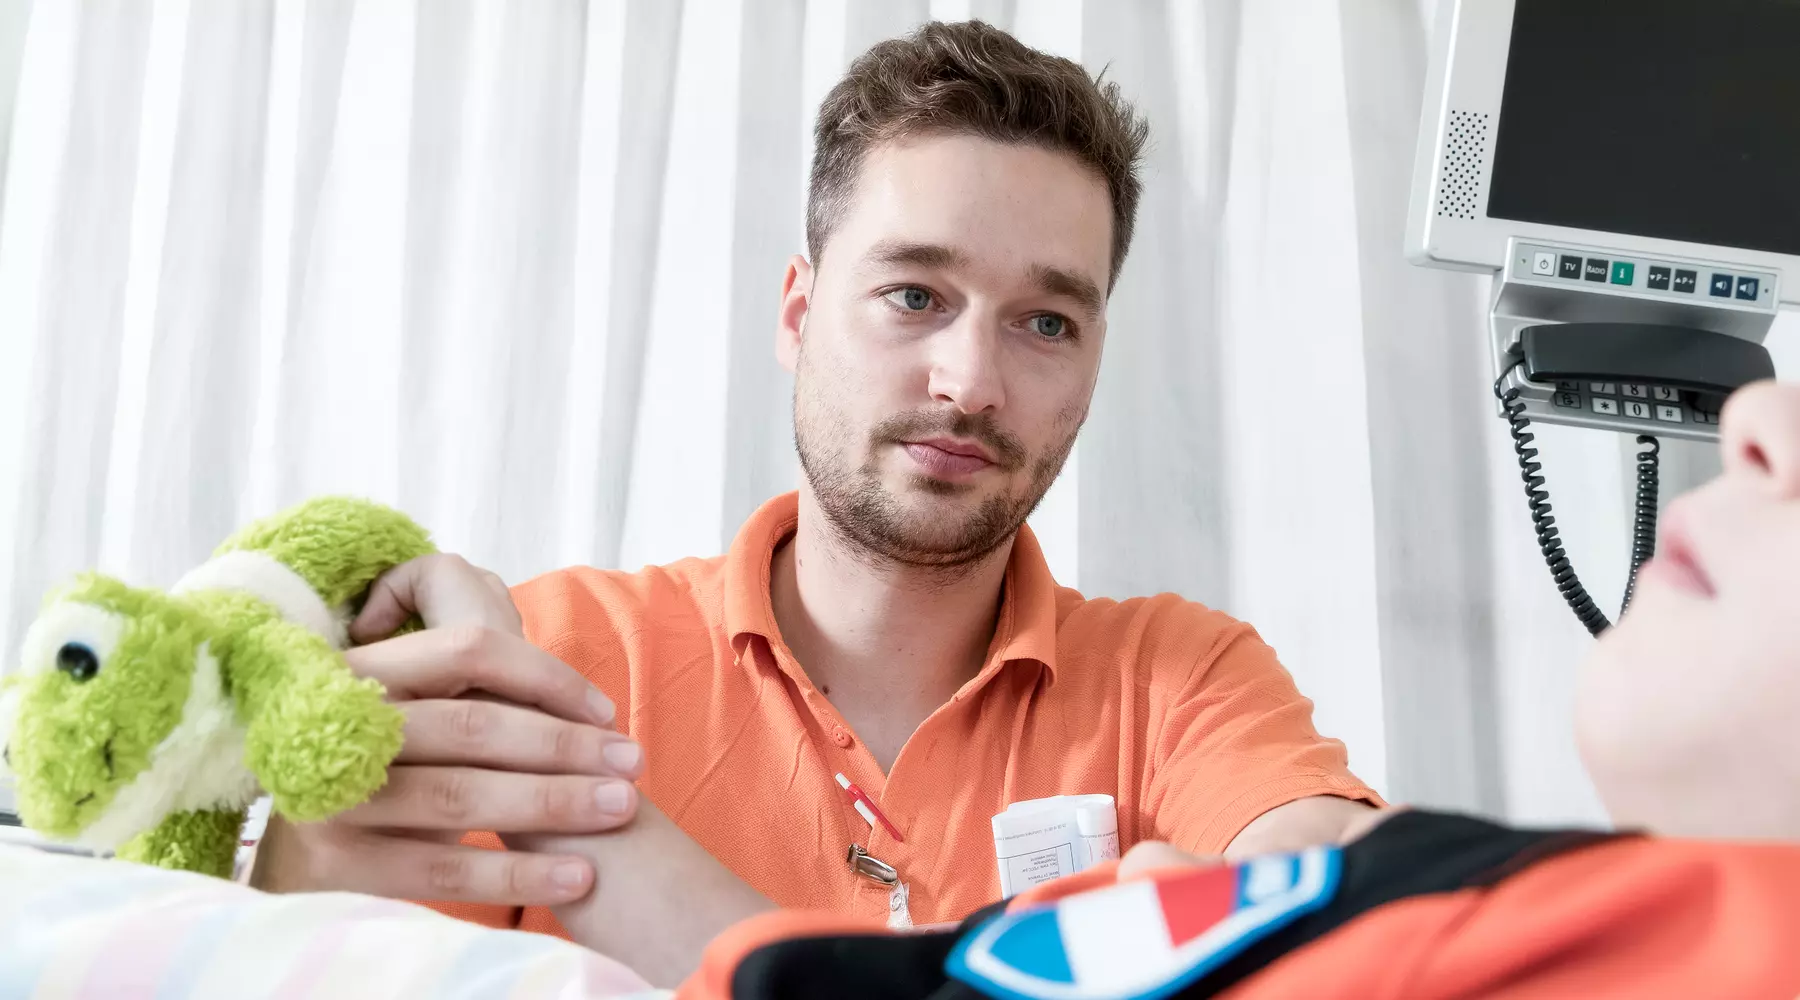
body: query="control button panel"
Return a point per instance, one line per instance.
(1553, 265)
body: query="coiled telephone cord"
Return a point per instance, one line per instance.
(1643, 538)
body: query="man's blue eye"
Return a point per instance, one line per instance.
(1048, 325)
(914, 299)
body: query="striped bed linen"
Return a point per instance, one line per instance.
(78, 928)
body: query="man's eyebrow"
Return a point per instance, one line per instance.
(891, 253)
(1068, 284)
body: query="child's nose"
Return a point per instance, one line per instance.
(1759, 436)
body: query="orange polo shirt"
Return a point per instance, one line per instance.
(1179, 712)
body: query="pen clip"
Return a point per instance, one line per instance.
(869, 866)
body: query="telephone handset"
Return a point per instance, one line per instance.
(1708, 365)
(1698, 368)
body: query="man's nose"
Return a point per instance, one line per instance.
(965, 365)
(1759, 437)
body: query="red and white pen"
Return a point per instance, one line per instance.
(868, 809)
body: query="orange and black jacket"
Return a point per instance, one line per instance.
(1426, 906)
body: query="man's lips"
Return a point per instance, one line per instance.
(946, 457)
(955, 447)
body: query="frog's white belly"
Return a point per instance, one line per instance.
(199, 765)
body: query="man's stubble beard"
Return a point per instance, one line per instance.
(869, 517)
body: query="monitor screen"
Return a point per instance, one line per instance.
(1674, 119)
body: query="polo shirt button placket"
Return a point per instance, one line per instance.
(842, 738)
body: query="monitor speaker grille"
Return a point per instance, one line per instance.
(1465, 161)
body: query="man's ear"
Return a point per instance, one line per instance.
(796, 300)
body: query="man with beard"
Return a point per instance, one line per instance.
(893, 622)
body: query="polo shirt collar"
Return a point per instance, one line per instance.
(1025, 630)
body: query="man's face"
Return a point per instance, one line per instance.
(945, 350)
(1686, 705)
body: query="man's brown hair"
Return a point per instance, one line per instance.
(971, 78)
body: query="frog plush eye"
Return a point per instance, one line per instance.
(78, 661)
(72, 638)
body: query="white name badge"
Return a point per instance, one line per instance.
(1044, 839)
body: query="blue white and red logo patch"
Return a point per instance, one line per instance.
(1145, 939)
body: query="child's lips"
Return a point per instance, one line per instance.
(1676, 563)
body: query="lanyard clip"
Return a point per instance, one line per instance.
(871, 867)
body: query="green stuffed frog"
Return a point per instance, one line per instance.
(146, 722)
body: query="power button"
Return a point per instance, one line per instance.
(1543, 265)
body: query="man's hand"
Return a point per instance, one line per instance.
(500, 735)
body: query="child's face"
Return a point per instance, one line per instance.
(1688, 714)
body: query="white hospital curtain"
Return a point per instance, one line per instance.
(515, 267)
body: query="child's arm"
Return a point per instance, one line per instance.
(658, 897)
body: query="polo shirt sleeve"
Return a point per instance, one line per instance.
(1236, 740)
(580, 617)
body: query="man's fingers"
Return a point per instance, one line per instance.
(404, 868)
(467, 798)
(496, 735)
(447, 662)
(443, 590)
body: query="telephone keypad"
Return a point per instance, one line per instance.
(1634, 401)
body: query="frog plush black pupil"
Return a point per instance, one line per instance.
(78, 661)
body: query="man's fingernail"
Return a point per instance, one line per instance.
(613, 798)
(623, 756)
(569, 875)
(602, 707)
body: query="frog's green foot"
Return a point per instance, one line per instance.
(204, 841)
(321, 751)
